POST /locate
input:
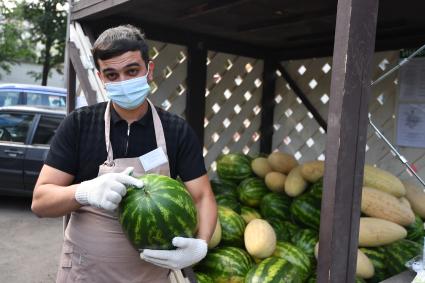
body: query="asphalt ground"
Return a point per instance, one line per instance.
(29, 246)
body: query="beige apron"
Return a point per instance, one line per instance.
(95, 250)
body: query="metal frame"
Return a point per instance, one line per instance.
(347, 117)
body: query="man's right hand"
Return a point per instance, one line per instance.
(106, 191)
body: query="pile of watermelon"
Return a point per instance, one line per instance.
(269, 218)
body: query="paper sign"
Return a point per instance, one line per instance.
(153, 159)
(411, 125)
(412, 80)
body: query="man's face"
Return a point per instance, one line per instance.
(126, 66)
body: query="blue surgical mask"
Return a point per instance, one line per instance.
(129, 94)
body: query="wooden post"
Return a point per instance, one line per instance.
(82, 73)
(267, 105)
(71, 87)
(346, 139)
(196, 84)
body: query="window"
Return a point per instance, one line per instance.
(9, 98)
(46, 129)
(45, 99)
(14, 127)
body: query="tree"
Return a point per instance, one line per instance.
(47, 23)
(15, 46)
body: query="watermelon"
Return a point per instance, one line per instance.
(229, 201)
(377, 256)
(294, 255)
(400, 252)
(305, 209)
(249, 213)
(415, 231)
(251, 191)
(306, 239)
(153, 215)
(284, 229)
(226, 264)
(313, 279)
(203, 278)
(275, 205)
(274, 269)
(223, 187)
(232, 227)
(234, 167)
(316, 188)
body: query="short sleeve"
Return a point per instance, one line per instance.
(190, 162)
(63, 153)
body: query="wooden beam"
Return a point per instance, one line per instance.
(71, 78)
(183, 37)
(196, 84)
(211, 7)
(300, 94)
(267, 105)
(346, 139)
(84, 8)
(82, 74)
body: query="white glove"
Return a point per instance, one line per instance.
(189, 251)
(106, 191)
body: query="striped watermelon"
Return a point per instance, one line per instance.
(203, 278)
(229, 201)
(226, 264)
(284, 229)
(305, 239)
(223, 187)
(400, 252)
(234, 167)
(378, 259)
(275, 205)
(305, 209)
(415, 231)
(232, 227)
(251, 191)
(249, 213)
(294, 255)
(274, 269)
(152, 216)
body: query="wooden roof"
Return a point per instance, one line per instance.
(288, 29)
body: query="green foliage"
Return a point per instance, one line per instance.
(47, 23)
(15, 45)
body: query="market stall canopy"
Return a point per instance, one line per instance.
(285, 29)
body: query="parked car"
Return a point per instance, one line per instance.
(25, 136)
(24, 94)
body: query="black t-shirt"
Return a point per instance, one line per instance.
(78, 147)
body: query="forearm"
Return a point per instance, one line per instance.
(207, 216)
(54, 201)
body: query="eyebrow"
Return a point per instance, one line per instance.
(126, 66)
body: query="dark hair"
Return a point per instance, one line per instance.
(118, 40)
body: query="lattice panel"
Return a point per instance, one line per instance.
(169, 86)
(298, 133)
(233, 105)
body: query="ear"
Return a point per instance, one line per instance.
(151, 69)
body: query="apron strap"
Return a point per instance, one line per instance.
(159, 135)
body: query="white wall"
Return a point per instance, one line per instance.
(19, 74)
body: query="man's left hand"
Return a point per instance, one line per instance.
(189, 251)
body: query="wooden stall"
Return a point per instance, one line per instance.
(255, 76)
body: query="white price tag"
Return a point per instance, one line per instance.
(420, 277)
(153, 159)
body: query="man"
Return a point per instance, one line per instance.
(92, 156)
